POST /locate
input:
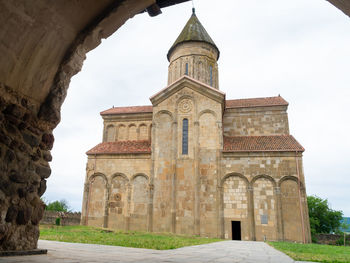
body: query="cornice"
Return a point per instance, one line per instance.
(190, 83)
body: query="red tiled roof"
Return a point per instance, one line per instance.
(121, 147)
(272, 143)
(256, 102)
(127, 110)
(238, 103)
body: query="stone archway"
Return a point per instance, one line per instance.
(42, 46)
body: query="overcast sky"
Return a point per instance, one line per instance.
(299, 49)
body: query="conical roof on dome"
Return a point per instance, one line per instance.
(193, 31)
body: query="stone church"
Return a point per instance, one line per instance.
(196, 163)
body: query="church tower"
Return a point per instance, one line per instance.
(187, 137)
(194, 54)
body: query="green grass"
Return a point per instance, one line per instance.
(92, 235)
(314, 252)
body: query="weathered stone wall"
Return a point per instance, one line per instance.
(118, 202)
(97, 200)
(290, 202)
(256, 121)
(271, 187)
(67, 218)
(264, 210)
(199, 57)
(162, 173)
(331, 239)
(189, 179)
(116, 192)
(25, 145)
(209, 145)
(139, 203)
(195, 188)
(127, 130)
(235, 205)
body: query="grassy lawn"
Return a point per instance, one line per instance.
(93, 235)
(314, 252)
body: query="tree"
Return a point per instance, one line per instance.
(322, 218)
(60, 206)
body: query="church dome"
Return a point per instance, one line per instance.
(193, 32)
(194, 54)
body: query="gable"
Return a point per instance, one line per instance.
(190, 83)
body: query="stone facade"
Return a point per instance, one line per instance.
(67, 218)
(195, 163)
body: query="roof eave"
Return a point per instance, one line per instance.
(115, 153)
(188, 41)
(211, 92)
(259, 151)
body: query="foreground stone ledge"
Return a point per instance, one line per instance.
(23, 252)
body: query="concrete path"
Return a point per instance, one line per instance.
(219, 252)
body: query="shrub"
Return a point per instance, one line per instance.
(340, 242)
(58, 221)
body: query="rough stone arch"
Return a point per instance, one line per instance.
(139, 201)
(119, 174)
(183, 97)
(295, 201)
(245, 179)
(265, 208)
(139, 174)
(207, 111)
(143, 131)
(164, 112)
(293, 178)
(118, 200)
(110, 133)
(132, 132)
(122, 134)
(234, 199)
(208, 130)
(98, 174)
(97, 200)
(265, 176)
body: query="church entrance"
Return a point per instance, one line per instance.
(236, 230)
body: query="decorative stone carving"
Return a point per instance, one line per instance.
(118, 197)
(185, 105)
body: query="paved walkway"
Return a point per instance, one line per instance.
(219, 252)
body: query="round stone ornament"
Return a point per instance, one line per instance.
(185, 105)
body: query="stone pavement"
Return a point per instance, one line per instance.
(219, 252)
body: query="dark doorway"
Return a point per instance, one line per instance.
(236, 230)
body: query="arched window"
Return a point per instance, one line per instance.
(211, 75)
(185, 136)
(110, 133)
(186, 69)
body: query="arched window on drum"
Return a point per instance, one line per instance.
(185, 136)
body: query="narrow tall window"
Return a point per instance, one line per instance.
(211, 75)
(185, 136)
(186, 69)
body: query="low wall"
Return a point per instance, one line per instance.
(330, 239)
(67, 218)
